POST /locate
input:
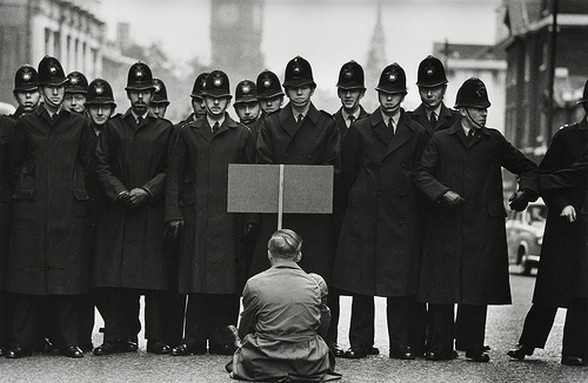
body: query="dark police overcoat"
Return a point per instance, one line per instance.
(464, 258)
(340, 122)
(196, 191)
(377, 252)
(6, 132)
(563, 242)
(48, 247)
(315, 141)
(129, 248)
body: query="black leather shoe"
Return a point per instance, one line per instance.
(127, 346)
(72, 352)
(336, 349)
(404, 353)
(46, 346)
(372, 351)
(18, 352)
(87, 347)
(434, 356)
(184, 349)
(569, 360)
(3, 351)
(106, 348)
(478, 356)
(158, 347)
(352, 353)
(520, 351)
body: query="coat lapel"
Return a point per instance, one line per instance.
(202, 128)
(287, 121)
(404, 132)
(421, 117)
(380, 127)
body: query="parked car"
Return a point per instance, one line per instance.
(524, 235)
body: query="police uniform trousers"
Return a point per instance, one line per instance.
(207, 316)
(86, 320)
(539, 321)
(176, 303)
(361, 330)
(418, 329)
(120, 309)
(334, 305)
(29, 317)
(397, 317)
(468, 329)
(6, 312)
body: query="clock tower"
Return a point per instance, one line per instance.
(235, 31)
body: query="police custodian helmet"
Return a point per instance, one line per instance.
(199, 84)
(246, 91)
(298, 73)
(351, 76)
(472, 93)
(217, 85)
(392, 80)
(51, 72)
(160, 93)
(100, 93)
(140, 77)
(268, 85)
(431, 73)
(26, 79)
(78, 83)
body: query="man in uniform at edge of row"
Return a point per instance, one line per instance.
(464, 256)
(560, 282)
(210, 271)
(299, 134)
(75, 93)
(269, 92)
(378, 249)
(48, 257)
(26, 90)
(130, 257)
(433, 115)
(197, 102)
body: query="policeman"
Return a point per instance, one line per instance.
(210, 244)
(198, 107)
(75, 93)
(299, 134)
(159, 103)
(433, 115)
(26, 90)
(247, 106)
(269, 92)
(378, 247)
(350, 90)
(48, 260)
(129, 257)
(464, 257)
(100, 106)
(6, 133)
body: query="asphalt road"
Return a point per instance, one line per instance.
(503, 328)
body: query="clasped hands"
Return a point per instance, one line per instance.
(134, 198)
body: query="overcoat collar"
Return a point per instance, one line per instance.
(457, 130)
(290, 125)
(404, 130)
(201, 126)
(43, 113)
(583, 125)
(421, 116)
(129, 118)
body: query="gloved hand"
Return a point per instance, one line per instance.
(138, 196)
(519, 200)
(125, 198)
(451, 199)
(173, 229)
(569, 214)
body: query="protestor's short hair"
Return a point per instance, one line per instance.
(285, 244)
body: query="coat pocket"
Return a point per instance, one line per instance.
(81, 195)
(24, 194)
(496, 210)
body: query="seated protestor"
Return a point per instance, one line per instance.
(284, 315)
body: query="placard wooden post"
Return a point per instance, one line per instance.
(281, 197)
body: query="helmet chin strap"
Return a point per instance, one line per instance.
(474, 121)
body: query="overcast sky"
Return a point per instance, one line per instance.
(326, 32)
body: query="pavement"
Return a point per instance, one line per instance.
(503, 328)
